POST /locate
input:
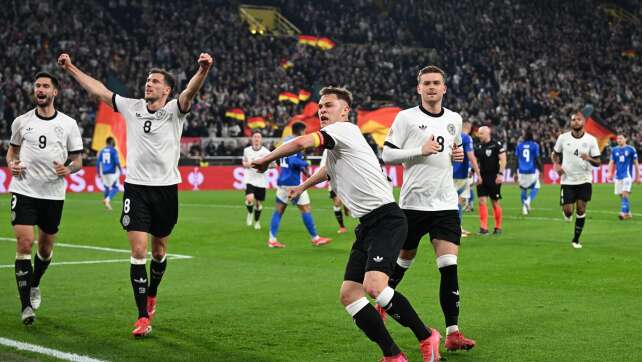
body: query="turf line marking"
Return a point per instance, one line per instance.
(90, 247)
(46, 351)
(224, 206)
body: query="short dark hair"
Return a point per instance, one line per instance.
(528, 135)
(340, 92)
(431, 69)
(167, 77)
(110, 140)
(44, 74)
(298, 127)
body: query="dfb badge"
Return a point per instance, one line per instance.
(451, 129)
(126, 220)
(160, 114)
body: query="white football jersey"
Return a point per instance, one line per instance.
(576, 170)
(43, 141)
(427, 180)
(153, 141)
(354, 170)
(251, 176)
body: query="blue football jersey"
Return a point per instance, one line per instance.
(527, 153)
(460, 170)
(291, 167)
(624, 158)
(108, 160)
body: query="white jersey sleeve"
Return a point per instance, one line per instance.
(16, 134)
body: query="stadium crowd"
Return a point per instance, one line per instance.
(512, 64)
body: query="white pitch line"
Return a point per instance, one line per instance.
(100, 248)
(46, 351)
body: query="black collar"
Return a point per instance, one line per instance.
(46, 118)
(425, 111)
(577, 138)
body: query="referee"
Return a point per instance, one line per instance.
(491, 156)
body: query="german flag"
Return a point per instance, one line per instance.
(377, 122)
(236, 113)
(256, 122)
(325, 43)
(629, 53)
(304, 95)
(595, 127)
(288, 97)
(286, 64)
(308, 40)
(110, 123)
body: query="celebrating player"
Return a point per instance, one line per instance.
(624, 166)
(289, 177)
(574, 155)
(426, 139)
(107, 164)
(150, 200)
(354, 171)
(491, 155)
(527, 174)
(255, 183)
(41, 141)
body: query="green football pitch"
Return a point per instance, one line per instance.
(527, 295)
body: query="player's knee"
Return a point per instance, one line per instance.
(24, 244)
(374, 287)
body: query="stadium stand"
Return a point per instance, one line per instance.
(512, 64)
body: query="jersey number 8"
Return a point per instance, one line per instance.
(147, 126)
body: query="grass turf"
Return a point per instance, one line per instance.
(526, 295)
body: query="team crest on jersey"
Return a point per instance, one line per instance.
(59, 132)
(160, 114)
(451, 129)
(126, 220)
(489, 152)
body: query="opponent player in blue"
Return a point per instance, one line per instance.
(461, 171)
(106, 166)
(624, 166)
(290, 177)
(528, 166)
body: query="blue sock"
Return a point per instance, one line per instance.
(113, 191)
(459, 210)
(106, 192)
(523, 196)
(534, 192)
(472, 196)
(625, 205)
(309, 223)
(274, 224)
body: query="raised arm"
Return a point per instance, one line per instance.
(187, 96)
(91, 85)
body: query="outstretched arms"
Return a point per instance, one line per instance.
(187, 96)
(91, 85)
